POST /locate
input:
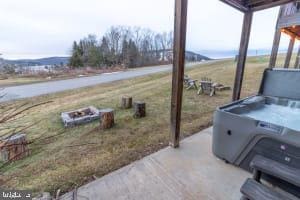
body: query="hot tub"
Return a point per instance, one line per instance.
(267, 124)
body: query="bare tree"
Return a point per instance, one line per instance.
(147, 47)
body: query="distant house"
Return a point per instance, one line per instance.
(189, 56)
(34, 69)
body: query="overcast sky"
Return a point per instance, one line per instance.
(38, 28)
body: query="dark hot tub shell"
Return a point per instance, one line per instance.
(241, 130)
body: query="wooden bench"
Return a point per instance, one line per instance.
(206, 87)
(253, 190)
(190, 83)
(186, 79)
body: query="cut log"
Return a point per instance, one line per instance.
(13, 148)
(126, 102)
(107, 118)
(139, 109)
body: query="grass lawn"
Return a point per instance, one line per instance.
(67, 158)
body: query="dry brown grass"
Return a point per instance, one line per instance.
(76, 154)
(29, 77)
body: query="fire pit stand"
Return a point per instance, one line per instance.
(80, 116)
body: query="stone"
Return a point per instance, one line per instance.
(80, 116)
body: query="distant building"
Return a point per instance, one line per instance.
(1, 62)
(34, 68)
(189, 56)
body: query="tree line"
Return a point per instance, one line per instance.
(127, 46)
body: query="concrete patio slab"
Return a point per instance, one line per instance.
(191, 172)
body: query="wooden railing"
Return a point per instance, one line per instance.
(290, 9)
(289, 16)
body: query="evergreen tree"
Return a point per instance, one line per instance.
(76, 60)
(94, 57)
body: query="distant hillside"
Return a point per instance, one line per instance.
(190, 56)
(41, 61)
(195, 56)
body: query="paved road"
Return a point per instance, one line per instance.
(31, 90)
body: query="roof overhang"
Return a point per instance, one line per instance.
(289, 21)
(293, 31)
(255, 5)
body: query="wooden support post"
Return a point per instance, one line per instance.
(276, 41)
(297, 59)
(107, 118)
(289, 53)
(239, 75)
(126, 102)
(178, 69)
(275, 48)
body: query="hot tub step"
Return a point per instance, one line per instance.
(256, 191)
(276, 169)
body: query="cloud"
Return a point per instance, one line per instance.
(35, 27)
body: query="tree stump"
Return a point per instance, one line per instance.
(13, 148)
(126, 102)
(139, 109)
(106, 118)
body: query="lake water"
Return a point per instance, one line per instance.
(232, 53)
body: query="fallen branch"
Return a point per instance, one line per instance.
(7, 118)
(8, 162)
(49, 137)
(13, 133)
